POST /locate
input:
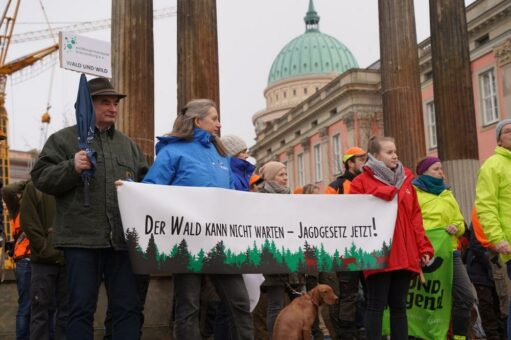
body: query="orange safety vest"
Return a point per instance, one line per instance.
(346, 185)
(21, 245)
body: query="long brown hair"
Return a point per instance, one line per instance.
(185, 121)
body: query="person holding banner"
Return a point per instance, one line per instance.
(275, 182)
(345, 284)
(92, 238)
(441, 210)
(242, 171)
(193, 155)
(386, 178)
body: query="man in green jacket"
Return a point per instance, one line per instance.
(92, 238)
(493, 196)
(49, 294)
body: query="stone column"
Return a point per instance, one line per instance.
(197, 51)
(325, 164)
(366, 121)
(454, 101)
(291, 167)
(307, 160)
(402, 105)
(133, 69)
(503, 54)
(349, 120)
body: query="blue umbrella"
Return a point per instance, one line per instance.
(85, 124)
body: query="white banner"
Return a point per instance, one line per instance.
(85, 55)
(212, 230)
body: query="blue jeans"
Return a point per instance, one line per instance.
(232, 292)
(85, 270)
(23, 274)
(276, 301)
(221, 328)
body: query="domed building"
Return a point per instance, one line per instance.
(302, 67)
(319, 102)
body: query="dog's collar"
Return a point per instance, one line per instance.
(314, 302)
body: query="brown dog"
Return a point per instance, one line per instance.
(295, 321)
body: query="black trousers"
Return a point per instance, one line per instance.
(494, 324)
(50, 302)
(387, 289)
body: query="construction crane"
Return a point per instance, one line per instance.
(7, 23)
(6, 28)
(82, 27)
(7, 38)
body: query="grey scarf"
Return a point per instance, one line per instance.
(383, 173)
(274, 188)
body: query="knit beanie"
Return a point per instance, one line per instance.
(233, 144)
(501, 125)
(270, 170)
(425, 164)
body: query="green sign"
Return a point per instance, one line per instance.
(429, 303)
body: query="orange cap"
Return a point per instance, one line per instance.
(352, 152)
(254, 179)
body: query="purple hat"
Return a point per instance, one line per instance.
(425, 164)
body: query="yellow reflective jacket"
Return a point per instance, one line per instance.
(493, 197)
(439, 211)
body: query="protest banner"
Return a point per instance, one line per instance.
(172, 229)
(84, 54)
(429, 304)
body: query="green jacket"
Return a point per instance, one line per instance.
(37, 214)
(97, 226)
(493, 197)
(441, 211)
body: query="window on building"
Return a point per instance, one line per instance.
(431, 124)
(482, 40)
(314, 123)
(285, 94)
(294, 92)
(299, 167)
(336, 154)
(304, 90)
(318, 171)
(428, 76)
(489, 97)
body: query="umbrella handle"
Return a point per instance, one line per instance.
(86, 193)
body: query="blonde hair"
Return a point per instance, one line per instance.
(185, 121)
(374, 146)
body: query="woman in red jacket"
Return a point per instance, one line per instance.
(385, 177)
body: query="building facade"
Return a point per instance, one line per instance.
(310, 137)
(21, 164)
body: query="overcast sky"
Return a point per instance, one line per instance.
(250, 33)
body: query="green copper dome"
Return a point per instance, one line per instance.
(311, 53)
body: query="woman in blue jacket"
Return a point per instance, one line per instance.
(241, 169)
(192, 155)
